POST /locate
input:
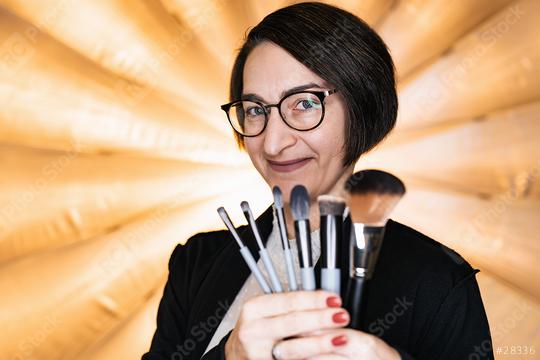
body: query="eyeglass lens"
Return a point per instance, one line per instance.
(301, 111)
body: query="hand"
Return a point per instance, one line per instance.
(357, 345)
(268, 320)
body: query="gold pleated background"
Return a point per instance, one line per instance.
(114, 149)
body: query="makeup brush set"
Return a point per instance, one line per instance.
(363, 243)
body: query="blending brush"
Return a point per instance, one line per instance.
(331, 210)
(262, 251)
(244, 250)
(365, 244)
(376, 192)
(300, 211)
(372, 195)
(280, 215)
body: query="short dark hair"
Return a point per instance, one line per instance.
(344, 51)
(374, 181)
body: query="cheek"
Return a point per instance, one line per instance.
(339, 133)
(330, 147)
(253, 148)
(331, 139)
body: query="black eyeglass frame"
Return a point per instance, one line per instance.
(321, 95)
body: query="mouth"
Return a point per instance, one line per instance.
(288, 166)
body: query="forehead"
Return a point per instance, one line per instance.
(270, 69)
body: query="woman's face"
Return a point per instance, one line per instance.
(286, 157)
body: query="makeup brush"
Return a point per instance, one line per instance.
(377, 193)
(280, 215)
(331, 210)
(365, 244)
(262, 250)
(244, 250)
(300, 211)
(372, 195)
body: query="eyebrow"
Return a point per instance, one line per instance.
(252, 96)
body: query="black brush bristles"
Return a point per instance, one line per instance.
(227, 220)
(278, 197)
(374, 181)
(245, 209)
(251, 223)
(331, 205)
(300, 203)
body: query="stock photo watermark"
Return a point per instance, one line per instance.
(29, 344)
(146, 73)
(499, 332)
(200, 331)
(384, 323)
(428, 101)
(116, 255)
(49, 172)
(19, 48)
(470, 234)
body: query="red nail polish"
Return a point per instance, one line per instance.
(339, 340)
(333, 301)
(340, 317)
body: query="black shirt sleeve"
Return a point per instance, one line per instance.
(172, 313)
(174, 338)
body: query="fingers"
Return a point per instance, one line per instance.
(283, 303)
(362, 345)
(366, 346)
(319, 347)
(328, 357)
(266, 319)
(305, 321)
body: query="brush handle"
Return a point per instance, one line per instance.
(271, 270)
(308, 278)
(293, 286)
(353, 302)
(250, 261)
(303, 241)
(331, 280)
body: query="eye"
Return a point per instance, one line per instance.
(307, 104)
(254, 111)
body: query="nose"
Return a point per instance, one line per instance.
(277, 135)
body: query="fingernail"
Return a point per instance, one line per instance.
(340, 317)
(339, 340)
(333, 301)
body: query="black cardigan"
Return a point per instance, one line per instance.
(423, 300)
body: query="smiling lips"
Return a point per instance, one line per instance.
(288, 166)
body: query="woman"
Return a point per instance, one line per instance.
(312, 89)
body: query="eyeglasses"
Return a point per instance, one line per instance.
(302, 111)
